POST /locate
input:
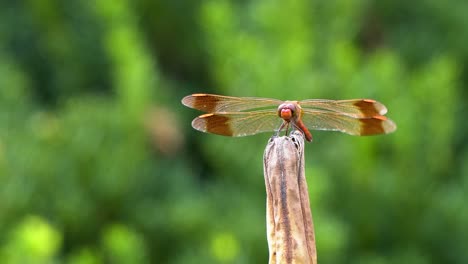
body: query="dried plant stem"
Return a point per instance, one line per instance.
(290, 228)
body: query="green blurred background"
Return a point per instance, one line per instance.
(99, 163)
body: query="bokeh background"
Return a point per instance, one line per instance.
(99, 163)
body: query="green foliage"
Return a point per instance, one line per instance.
(98, 163)
(31, 241)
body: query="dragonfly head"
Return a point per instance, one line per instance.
(287, 110)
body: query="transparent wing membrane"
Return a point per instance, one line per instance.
(211, 103)
(320, 120)
(238, 124)
(358, 108)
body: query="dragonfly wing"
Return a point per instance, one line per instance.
(358, 108)
(211, 103)
(238, 124)
(322, 120)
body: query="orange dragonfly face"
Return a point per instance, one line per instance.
(244, 116)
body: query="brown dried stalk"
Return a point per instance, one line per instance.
(290, 228)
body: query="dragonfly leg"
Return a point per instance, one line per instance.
(287, 129)
(283, 124)
(305, 133)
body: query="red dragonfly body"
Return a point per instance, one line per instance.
(244, 116)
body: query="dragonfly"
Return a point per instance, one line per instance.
(245, 116)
